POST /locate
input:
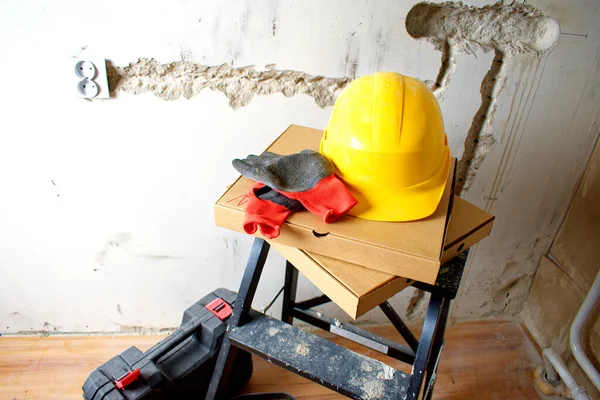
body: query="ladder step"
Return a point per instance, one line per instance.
(319, 360)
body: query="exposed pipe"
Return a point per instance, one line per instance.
(576, 328)
(548, 378)
(554, 366)
(551, 374)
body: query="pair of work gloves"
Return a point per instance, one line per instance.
(289, 183)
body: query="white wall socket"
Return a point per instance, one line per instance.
(90, 80)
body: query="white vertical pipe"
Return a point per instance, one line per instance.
(576, 328)
(553, 364)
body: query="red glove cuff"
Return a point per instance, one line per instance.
(329, 199)
(264, 215)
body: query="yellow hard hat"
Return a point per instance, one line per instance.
(386, 139)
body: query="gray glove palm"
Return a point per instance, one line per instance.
(306, 176)
(290, 173)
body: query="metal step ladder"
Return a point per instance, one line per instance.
(328, 364)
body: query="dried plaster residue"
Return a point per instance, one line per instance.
(505, 28)
(172, 80)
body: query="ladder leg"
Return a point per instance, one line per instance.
(400, 326)
(436, 351)
(289, 293)
(241, 310)
(218, 382)
(425, 346)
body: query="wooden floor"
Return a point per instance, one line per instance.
(481, 360)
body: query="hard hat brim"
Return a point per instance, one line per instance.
(403, 204)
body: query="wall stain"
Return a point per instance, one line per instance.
(352, 54)
(510, 266)
(20, 316)
(274, 15)
(79, 51)
(416, 298)
(56, 187)
(48, 326)
(115, 241)
(512, 294)
(381, 40)
(144, 330)
(160, 257)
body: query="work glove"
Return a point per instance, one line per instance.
(306, 176)
(267, 210)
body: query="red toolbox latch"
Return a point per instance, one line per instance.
(127, 379)
(220, 308)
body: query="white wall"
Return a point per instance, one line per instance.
(125, 236)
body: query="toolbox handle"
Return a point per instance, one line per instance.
(178, 336)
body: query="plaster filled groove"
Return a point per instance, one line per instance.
(173, 80)
(480, 139)
(447, 68)
(510, 27)
(507, 29)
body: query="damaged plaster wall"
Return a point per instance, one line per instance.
(453, 28)
(107, 217)
(184, 78)
(527, 125)
(507, 29)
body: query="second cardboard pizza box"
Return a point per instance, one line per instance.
(410, 249)
(356, 289)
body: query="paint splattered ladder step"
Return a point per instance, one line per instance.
(319, 360)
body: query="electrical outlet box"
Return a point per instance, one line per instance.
(90, 80)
